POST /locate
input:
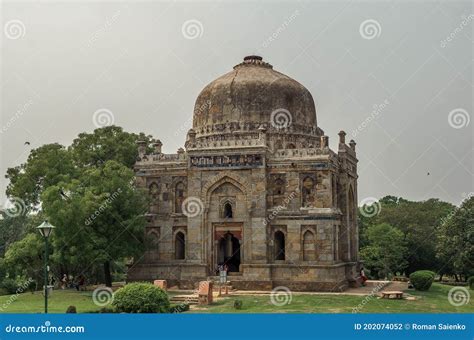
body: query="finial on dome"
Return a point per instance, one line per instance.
(253, 57)
(255, 60)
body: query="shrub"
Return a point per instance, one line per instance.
(141, 297)
(422, 279)
(71, 309)
(470, 282)
(9, 285)
(32, 286)
(238, 304)
(428, 272)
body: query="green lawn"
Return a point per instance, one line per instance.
(58, 302)
(433, 301)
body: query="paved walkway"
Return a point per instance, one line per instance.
(372, 287)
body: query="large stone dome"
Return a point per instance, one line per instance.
(252, 95)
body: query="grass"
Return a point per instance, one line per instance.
(433, 301)
(58, 302)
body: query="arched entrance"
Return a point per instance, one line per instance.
(229, 252)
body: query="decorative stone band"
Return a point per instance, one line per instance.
(226, 161)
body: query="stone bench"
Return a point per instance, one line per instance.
(392, 294)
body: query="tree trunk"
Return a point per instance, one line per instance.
(107, 275)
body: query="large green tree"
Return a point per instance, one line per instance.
(107, 143)
(45, 166)
(417, 221)
(101, 219)
(24, 258)
(72, 185)
(455, 241)
(385, 252)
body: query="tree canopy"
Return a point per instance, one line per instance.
(87, 191)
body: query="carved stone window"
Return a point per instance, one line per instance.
(179, 197)
(277, 190)
(154, 191)
(152, 244)
(308, 194)
(309, 246)
(279, 187)
(228, 213)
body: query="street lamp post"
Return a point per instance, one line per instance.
(45, 229)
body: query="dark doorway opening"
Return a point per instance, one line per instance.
(279, 246)
(229, 252)
(179, 246)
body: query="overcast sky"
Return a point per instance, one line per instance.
(395, 75)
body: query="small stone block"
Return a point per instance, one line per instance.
(160, 284)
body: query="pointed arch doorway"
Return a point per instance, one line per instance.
(227, 246)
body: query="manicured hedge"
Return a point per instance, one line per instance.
(141, 297)
(422, 279)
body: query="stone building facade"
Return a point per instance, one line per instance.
(256, 187)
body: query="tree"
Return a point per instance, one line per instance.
(70, 184)
(107, 143)
(46, 166)
(417, 221)
(455, 240)
(386, 251)
(102, 220)
(12, 229)
(24, 258)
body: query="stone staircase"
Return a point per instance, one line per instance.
(192, 299)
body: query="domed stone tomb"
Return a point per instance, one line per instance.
(256, 190)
